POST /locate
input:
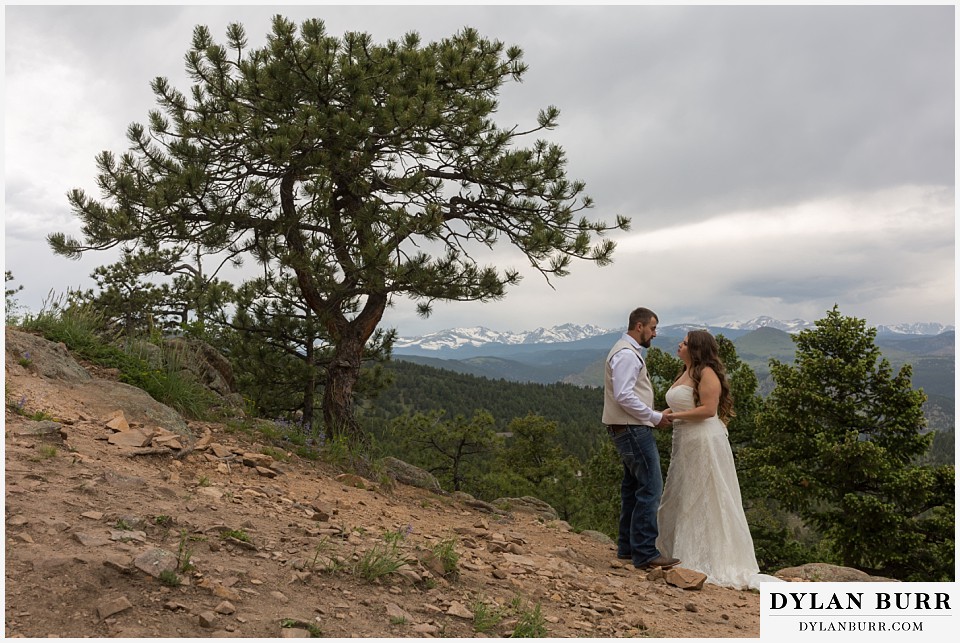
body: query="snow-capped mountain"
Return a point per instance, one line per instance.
(789, 326)
(796, 325)
(454, 338)
(478, 336)
(562, 333)
(923, 328)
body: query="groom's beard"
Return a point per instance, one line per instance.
(645, 344)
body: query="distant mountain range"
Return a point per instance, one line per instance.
(928, 328)
(454, 339)
(574, 354)
(478, 336)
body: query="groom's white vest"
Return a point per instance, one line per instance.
(613, 413)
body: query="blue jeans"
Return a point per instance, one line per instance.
(640, 494)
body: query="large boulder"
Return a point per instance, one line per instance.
(207, 365)
(45, 371)
(27, 352)
(194, 360)
(528, 504)
(104, 397)
(470, 501)
(825, 573)
(598, 536)
(408, 474)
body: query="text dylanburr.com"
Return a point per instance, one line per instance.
(911, 611)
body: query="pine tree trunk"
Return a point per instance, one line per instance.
(310, 389)
(343, 371)
(349, 336)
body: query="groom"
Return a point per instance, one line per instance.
(630, 419)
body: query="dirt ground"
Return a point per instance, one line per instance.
(280, 546)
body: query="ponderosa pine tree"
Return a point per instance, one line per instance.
(130, 301)
(275, 342)
(446, 448)
(281, 350)
(369, 170)
(600, 489)
(743, 388)
(837, 441)
(532, 450)
(10, 305)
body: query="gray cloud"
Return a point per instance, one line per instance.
(791, 290)
(673, 115)
(770, 105)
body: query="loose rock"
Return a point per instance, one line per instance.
(114, 606)
(155, 562)
(685, 578)
(225, 607)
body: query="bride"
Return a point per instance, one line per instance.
(701, 515)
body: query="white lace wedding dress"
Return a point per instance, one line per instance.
(701, 515)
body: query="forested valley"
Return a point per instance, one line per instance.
(416, 388)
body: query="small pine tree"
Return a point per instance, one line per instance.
(445, 448)
(600, 489)
(836, 442)
(11, 306)
(743, 388)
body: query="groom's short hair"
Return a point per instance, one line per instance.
(642, 315)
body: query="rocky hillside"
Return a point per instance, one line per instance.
(123, 520)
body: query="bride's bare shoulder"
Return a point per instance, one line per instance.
(709, 373)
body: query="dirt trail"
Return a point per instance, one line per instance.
(89, 528)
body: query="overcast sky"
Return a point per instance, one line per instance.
(773, 160)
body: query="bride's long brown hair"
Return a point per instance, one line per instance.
(704, 351)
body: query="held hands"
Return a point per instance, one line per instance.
(667, 418)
